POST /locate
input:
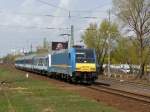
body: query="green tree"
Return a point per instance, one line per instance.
(9, 58)
(125, 52)
(135, 14)
(97, 37)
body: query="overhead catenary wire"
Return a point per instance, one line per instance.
(69, 12)
(75, 10)
(52, 5)
(34, 27)
(55, 16)
(45, 28)
(91, 10)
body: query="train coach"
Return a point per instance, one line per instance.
(38, 64)
(74, 65)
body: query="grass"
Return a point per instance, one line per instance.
(33, 95)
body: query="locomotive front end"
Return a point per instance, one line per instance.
(86, 65)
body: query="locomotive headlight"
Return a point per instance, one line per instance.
(77, 68)
(85, 61)
(93, 69)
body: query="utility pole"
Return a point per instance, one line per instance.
(31, 47)
(109, 73)
(72, 36)
(71, 43)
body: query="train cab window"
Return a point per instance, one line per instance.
(85, 55)
(80, 55)
(89, 54)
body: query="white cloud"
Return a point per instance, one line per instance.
(28, 6)
(56, 22)
(23, 16)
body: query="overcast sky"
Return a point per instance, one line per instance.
(25, 22)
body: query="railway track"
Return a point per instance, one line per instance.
(131, 83)
(122, 93)
(137, 84)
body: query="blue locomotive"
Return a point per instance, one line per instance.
(74, 64)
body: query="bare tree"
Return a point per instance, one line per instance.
(136, 15)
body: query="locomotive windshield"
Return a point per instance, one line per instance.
(85, 56)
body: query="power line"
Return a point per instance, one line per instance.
(92, 9)
(34, 27)
(52, 5)
(48, 28)
(54, 16)
(69, 10)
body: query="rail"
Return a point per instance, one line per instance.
(122, 93)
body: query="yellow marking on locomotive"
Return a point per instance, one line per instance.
(86, 67)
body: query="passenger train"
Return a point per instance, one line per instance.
(76, 65)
